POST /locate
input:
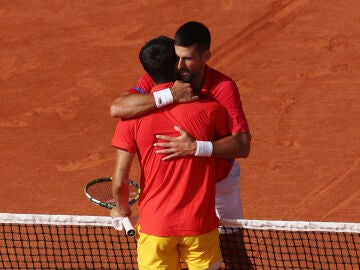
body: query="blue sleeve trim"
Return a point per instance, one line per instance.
(139, 90)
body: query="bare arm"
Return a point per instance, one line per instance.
(120, 184)
(132, 105)
(236, 145)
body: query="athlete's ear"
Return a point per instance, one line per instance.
(207, 55)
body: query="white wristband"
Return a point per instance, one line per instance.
(204, 149)
(117, 223)
(163, 97)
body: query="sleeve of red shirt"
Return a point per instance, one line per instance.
(144, 85)
(230, 99)
(123, 137)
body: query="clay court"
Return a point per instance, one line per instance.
(296, 63)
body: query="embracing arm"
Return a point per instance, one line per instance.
(120, 184)
(132, 105)
(236, 145)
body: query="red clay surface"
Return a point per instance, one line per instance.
(297, 65)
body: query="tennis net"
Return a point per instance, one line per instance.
(29, 241)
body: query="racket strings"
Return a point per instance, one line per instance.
(102, 191)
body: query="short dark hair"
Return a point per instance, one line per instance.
(158, 58)
(192, 33)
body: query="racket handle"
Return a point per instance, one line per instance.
(129, 229)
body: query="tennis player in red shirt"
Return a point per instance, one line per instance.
(177, 219)
(192, 45)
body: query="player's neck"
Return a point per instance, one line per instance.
(198, 81)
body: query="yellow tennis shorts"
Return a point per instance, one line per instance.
(197, 252)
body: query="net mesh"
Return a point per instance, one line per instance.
(252, 244)
(89, 242)
(64, 242)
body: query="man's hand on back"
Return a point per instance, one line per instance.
(175, 147)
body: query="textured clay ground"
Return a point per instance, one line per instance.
(297, 65)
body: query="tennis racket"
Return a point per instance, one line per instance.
(99, 192)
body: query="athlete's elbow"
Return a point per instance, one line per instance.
(120, 107)
(115, 110)
(242, 152)
(112, 111)
(243, 145)
(246, 152)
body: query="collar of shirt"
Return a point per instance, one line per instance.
(206, 86)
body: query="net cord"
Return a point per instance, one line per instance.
(239, 223)
(281, 225)
(55, 219)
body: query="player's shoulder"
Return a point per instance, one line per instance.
(145, 83)
(218, 81)
(217, 75)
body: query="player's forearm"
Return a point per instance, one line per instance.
(131, 105)
(120, 191)
(120, 182)
(233, 146)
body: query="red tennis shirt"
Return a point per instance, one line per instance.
(177, 196)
